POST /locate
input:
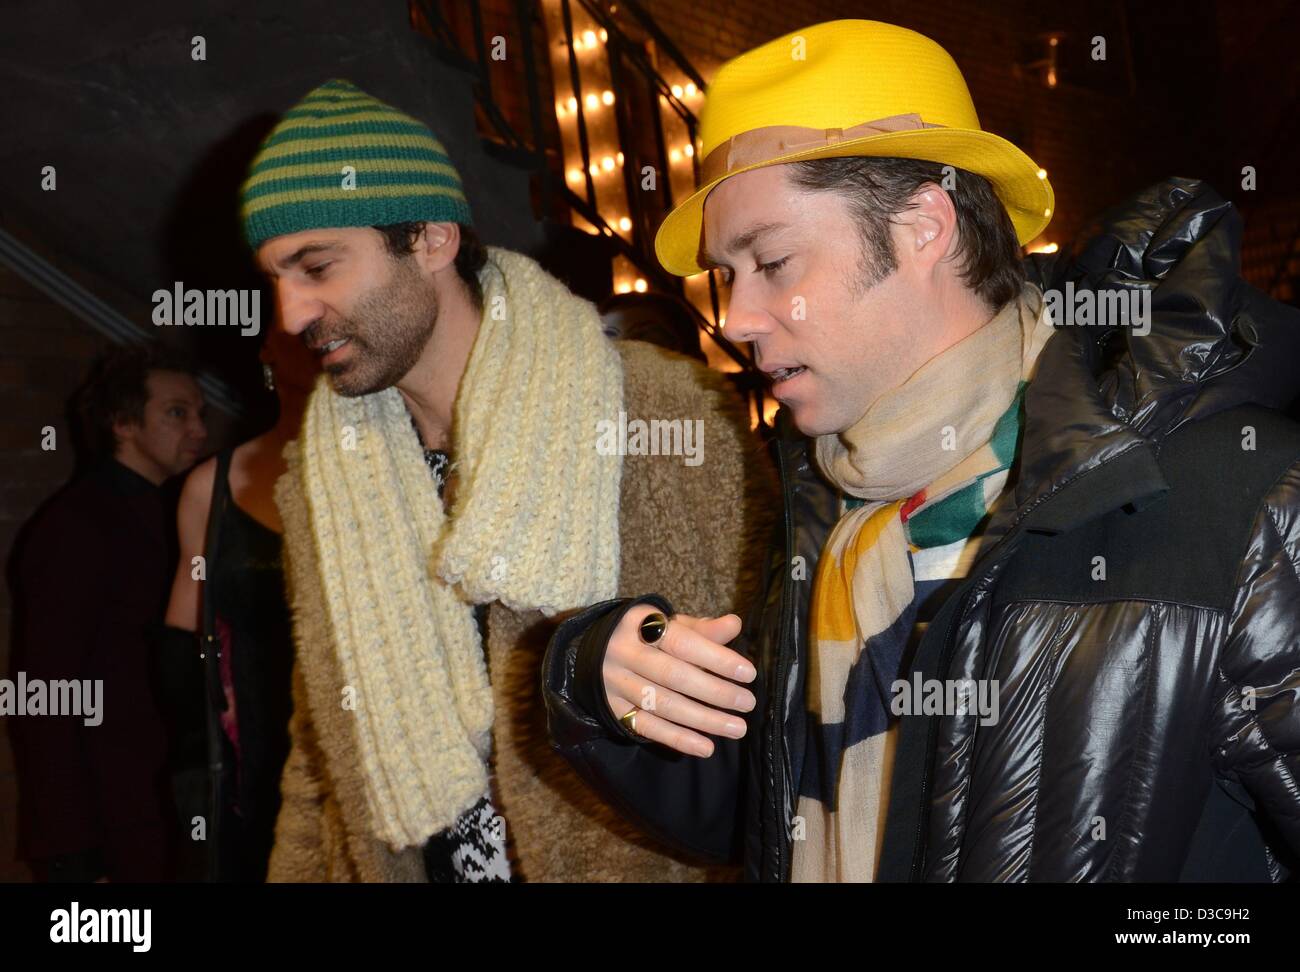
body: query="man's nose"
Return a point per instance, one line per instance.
(296, 312)
(745, 319)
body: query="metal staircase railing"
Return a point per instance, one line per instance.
(629, 64)
(66, 292)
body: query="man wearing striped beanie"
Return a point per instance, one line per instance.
(449, 495)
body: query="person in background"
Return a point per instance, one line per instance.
(245, 579)
(92, 573)
(655, 318)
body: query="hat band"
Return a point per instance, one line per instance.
(771, 142)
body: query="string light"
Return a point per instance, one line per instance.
(640, 285)
(625, 224)
(608, 163)
(607, 97)
(677, 90)
(592, 101)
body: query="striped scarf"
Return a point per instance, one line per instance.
(921, 470)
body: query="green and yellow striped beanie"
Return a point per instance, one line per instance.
(343, 158)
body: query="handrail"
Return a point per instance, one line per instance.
(640, 252)
(66, 292)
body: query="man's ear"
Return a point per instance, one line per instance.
(123, 430)
(929, 225)
(437, 247)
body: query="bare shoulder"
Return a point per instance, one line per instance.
(196, 493)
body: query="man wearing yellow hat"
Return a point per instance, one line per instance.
(1034, 614)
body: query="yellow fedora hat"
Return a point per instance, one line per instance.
(847, 87)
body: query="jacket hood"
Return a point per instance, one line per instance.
(1214, 342)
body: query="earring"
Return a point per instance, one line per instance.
(268, 377)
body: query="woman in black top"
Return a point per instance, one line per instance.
(245, 580)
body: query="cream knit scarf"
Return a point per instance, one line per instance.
(535, 526)
(931, 433)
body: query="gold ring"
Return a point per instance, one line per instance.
(629, 720)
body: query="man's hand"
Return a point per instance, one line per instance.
(675, 682)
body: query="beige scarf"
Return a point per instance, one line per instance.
(535, 526)
(932, 433)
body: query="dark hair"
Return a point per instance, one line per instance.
(877, 189)
(400, 239)
(655, 318)
(117, 390)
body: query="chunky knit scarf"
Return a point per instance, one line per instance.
(923, 452)
(534, 526)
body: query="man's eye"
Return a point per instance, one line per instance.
(178, 412)
(773, 267)
(317, 270)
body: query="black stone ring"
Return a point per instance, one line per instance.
(652, 627)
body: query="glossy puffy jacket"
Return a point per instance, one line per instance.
(1149, 712)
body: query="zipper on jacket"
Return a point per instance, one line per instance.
(931, 745)
(776, 729)
(995, 555)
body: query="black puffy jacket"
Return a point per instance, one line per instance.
(1149, 723)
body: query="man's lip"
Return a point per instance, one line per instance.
(328, 357)
(772, 370)
(780, 386)
(320, 346)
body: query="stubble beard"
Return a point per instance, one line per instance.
(389, 328)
